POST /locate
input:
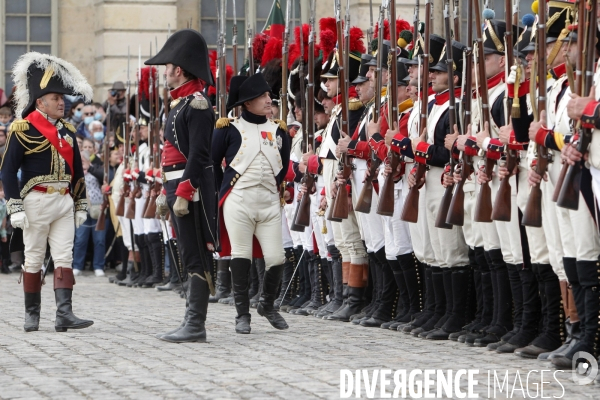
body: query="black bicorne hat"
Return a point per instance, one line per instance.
(36, 75)
(246, 88)
(364, 68)
(187, 49)
(436, 44)
(352, 69)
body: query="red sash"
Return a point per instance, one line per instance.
(49, 131)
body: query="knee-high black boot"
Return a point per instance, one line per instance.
(193, 330)
(63, 292)
(223, 283)
(429, 306)
(156, 250)
(240, 274)
(356, 288)
(272, 280)
(260, 274)
(460, 289)
(412, 289)
(477, 308)
(338, 284)
(285, 293)
(316, 286)
(389, 290)
(437, 275)
(530, 319)
(517, 296)
(145, 264)
(32, 288)
(589, 280)
(552, 334)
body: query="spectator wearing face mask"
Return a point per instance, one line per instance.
(75, 115)
(88, 113)
(100, 112)
(82, 234)
(96, 130)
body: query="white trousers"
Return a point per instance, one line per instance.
(346, 233)
(397, 232)
(371, 225)
(419, 232)
(254, 211)
(448, 245)
(51, 221)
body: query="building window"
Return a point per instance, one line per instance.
(28, 25)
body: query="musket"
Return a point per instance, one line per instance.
(502, 205)
(456, 211)
(301, 100)
(340, 205)
(410, 212)
(456, 20)
(221, 61)
(532, 215)
(483, 207)
(151, 123)
(155, 150)
(386, 193)
(250, 35)
(234, 46)
(130, 213)
(365, 197)
(120, 210)
(370, 28)
(569, 194)
(440, 221)
(302, 216)
(284, 63)
(101, 222)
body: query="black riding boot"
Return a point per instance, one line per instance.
(63, 292)
(460, 289)
(272, 281)
(437, 276)
(428, 307)
(285, 293)
(338, 285)
(156, 249)
(223, 284)
(477, 306)
(389, 292)
(240, 274)
(195, 317)
(32, 288)
(552, 334)
(356, 289)
(316, 298)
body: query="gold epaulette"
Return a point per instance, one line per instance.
(19, 125)
(281, 124)
(355, 104)
(223, 122)
(69, 126)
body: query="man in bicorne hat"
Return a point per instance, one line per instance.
(188, 174)
(48, 201)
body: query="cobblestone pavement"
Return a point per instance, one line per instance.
(119, 358)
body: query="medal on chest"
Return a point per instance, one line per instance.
(267, 138)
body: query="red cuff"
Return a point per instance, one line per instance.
(290, 190)
(421, 153)
(313, 164)
(185, 190)
(540, 136)
(495, 149)
(291, 174)
(149, 173)
(514, 145)
(588, 118)
(360, 150)
(471, 148)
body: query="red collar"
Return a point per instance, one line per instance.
(495, 80)
(429, 93)
(559, 70)
(443, 97)
(351, 94)
(49, 131)
(187, 88)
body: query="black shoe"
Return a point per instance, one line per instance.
(487, 339)
(170, 286)
(193, 330)
(438, 334)
(506, 348)
(372, 322)
(272, 280)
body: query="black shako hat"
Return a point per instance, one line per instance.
(187, 49)
(457, 58)
(354, 59)
(364, 68)
(401, 74)
(385, 51)
(246, 88)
